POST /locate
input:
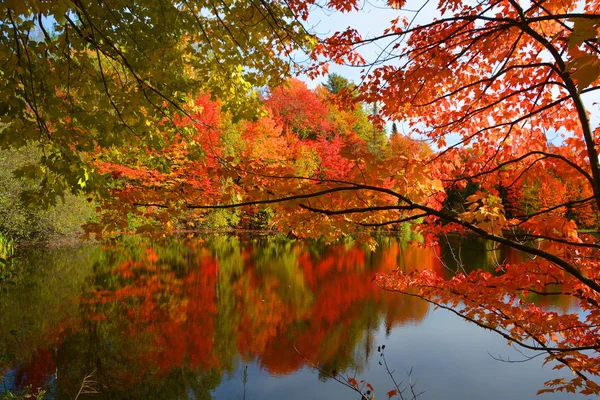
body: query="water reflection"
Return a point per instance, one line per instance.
(173, 319)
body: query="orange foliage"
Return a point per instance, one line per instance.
(501, 78)
(176, 315)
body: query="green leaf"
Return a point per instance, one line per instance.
(586, 71)
(583, 29)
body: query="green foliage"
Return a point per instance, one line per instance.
(8, 273)
(220, 219)
(78, 76)
(374, 136)
(336, 83)
(262, 219)
(31, 221)
(406, 232)
(27, 393)
(7, 247)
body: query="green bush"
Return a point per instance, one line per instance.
(219, 219)
(7, 271)
(7, 247)
(27, 393)
(33, 222)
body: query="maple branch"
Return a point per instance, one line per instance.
(509, 361)
(43, 29)
(553, 352)
(400, 38)
(107, 92)
(491, 328)
(229, 33)
(343, 380)
(516, 160)
(254, 202)
(274, 24)
(556, 281)
(571, 269)
(525, 171)
(396, 221)
(498, 125)
(473, 18)
(353, 210)
(201, 26)
(29, 95)
(539, 340)
(143, 83)
(571, 87)
(414, 53)
(557, 240)
(490, 80)
(556, 207)
(452, 125)
(127, 31)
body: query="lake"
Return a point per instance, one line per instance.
(248, 317)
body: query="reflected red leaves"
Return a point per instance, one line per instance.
(36, 371)
(160, 309)
(190, 318)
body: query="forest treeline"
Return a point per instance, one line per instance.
(314, 121)
(155, 116)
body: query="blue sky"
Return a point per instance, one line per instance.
(369, 21)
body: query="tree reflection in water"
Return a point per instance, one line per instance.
(169, 319)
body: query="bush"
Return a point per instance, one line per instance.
(7, 247)
(33, 222)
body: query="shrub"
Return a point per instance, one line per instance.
(33, 222)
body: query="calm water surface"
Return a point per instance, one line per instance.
(190, 318)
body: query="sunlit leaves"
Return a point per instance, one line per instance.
(85, 75)
(486, 212)
(500, 78)
(503, 77)
(585, 70)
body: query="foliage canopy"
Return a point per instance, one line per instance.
(115, 94)
(82, 75)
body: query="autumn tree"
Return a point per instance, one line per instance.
(336, 83)
(503, 77)
(81, 75)
(500, 75)
(299, 110)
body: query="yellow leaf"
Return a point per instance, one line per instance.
(583, 29)
(587, 71)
